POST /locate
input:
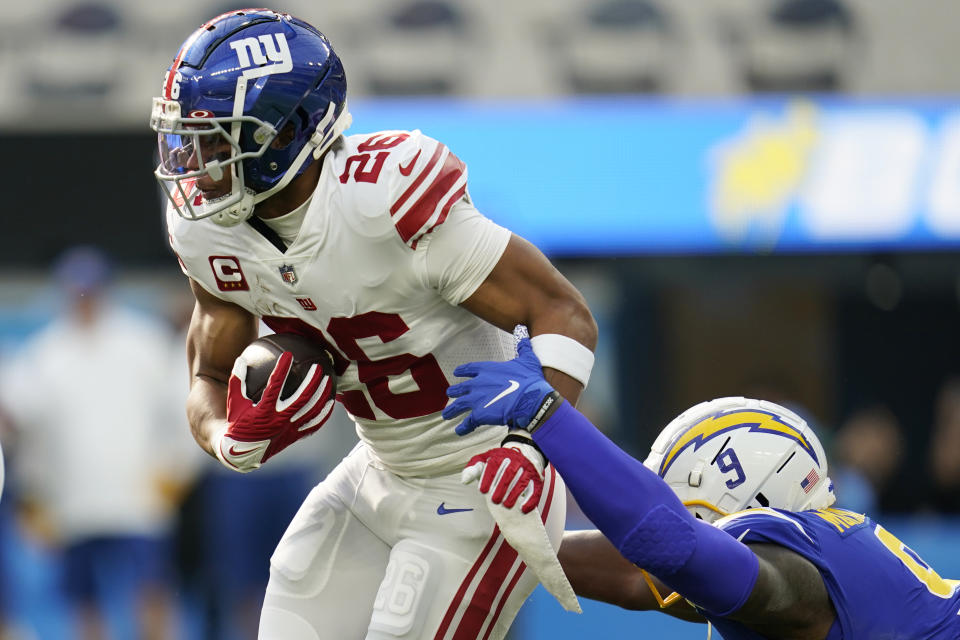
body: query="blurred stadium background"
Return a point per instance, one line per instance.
(757, 197)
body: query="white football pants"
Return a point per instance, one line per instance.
(371, 555)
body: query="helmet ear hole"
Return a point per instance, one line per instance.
(287, 135)
(762, 500)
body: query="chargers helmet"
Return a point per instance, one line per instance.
(731, 454)
(255, 95)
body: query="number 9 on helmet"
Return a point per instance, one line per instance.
(731, 454)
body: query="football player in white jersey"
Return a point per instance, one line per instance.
(370, 245)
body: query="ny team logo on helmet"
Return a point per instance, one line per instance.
(261, 52)
(731, 454)
(252, 98)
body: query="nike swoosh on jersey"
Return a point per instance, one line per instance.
(442, 510)
(513, 386)
(407, 170)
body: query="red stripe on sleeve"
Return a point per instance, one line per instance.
(462, 191)
(420, 213)
(419, 179)
(443, 213)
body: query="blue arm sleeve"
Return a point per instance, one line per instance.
(641, 515)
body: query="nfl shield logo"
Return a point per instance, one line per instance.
(288, 274)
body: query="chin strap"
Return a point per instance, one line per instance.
(237, 213)
(670, 600)
(341, 124)
(663, 602)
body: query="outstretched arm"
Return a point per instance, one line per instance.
(597, 571)
(767, 587)
(789, 599)
(770, 589)
(644, 519)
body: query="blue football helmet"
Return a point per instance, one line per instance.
(252, 98)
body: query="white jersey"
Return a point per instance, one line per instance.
(390, 246)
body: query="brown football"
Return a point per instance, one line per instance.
(262, 354)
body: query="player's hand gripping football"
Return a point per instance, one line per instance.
(257, 431)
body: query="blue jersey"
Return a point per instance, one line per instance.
(879, 586)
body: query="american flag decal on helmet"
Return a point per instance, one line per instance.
(808, 483)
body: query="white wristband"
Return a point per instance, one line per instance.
(564, 354)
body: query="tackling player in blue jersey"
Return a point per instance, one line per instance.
(732, 510)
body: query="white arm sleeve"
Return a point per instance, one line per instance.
(459, 254)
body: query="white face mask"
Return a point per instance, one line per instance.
(201, 162)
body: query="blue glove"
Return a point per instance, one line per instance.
(509, 393)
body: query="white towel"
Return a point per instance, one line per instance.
(526, 534)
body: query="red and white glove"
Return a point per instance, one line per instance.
(258, 431)
(514, 470)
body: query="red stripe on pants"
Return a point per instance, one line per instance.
(457, 599)
(513, 583)
(482, 602)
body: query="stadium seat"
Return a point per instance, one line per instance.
(797, 45)
(78, 61)
(418, 48)
(617, 46)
